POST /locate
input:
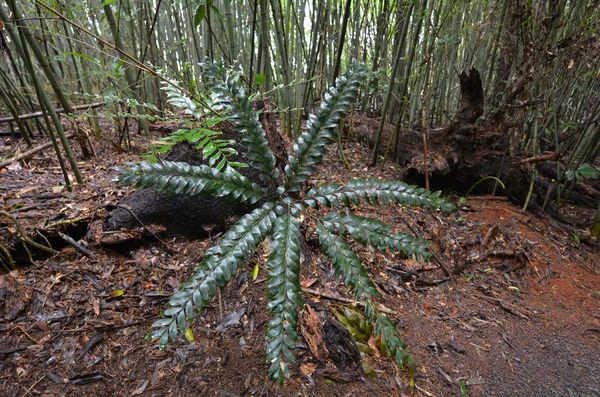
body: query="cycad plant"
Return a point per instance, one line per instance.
(283, 203)
(216, 151)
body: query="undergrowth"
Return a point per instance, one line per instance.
(285, 203)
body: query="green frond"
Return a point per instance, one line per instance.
(230, 93)
(177, 98)
(369, 231)
(221, 263)
(311, 146)
(375, 192)
(390, 338)
(182, 178)
(216, 151)
(284, 295)
(347, 263)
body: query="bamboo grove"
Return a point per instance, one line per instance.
(118, 53)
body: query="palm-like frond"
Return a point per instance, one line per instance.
(281, 217)
(230, 93)
(390, 338)
(311, 146)
(220, 263)
(368, 231)
(347, 263)
(374, 192)
(284, 295)
(182, 178)
(177, 98)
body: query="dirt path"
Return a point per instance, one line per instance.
(519, 316)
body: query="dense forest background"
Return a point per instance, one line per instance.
(493, 105)
(537, 62)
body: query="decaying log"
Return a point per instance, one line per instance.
(471, 104)
(194, 216)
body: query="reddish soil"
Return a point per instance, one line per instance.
(519, 314)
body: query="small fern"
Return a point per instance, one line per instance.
(215, 150)
(280, 218)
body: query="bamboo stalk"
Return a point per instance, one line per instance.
(29, 153)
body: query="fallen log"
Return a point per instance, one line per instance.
(59, 110)
(194, 216)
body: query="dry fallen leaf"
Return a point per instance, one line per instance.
(307, 283)
(307, 369)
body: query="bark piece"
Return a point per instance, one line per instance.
(312, 332)
(341, 345)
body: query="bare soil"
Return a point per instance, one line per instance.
(516, 314)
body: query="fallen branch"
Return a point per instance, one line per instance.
(24, 235)
(30, 152)
(505, 305)
(76, 245)
(489, 235)
(544, 157)
(59, 110)
(338, 298)
(148, 230)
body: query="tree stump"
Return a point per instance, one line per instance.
(194, 216)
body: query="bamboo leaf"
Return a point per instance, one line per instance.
(199, 15)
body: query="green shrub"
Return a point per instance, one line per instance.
(284, 202)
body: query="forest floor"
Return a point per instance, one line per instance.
(510, 306)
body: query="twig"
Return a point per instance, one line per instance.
(59, 110)
(506, 306)
(171, 250)
(9, 258)
(424, 391)
(436, 257)
(441, 264)
(34, 383)
(63, 222)
(346, 300)
(25, 333)
(24, 235)
(76, 245)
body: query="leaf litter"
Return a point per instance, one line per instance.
(504, 308)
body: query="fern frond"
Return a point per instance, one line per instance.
(182, 178)
(369, 231)
(374, 192)
(231, 94)
(284, 295)
(347, 263)
(216, 151)
(177, 98)
(221, 262)
(310, 147)
(390, 338)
